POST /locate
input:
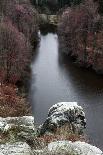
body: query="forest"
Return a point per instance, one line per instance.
(58, 4)
(18, 22)
(83, 36)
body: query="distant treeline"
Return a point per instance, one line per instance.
(60, 3)
(55, 5)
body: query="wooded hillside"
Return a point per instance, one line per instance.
(81, 30)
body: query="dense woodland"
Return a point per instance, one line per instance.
(83, 35)
(18, 34)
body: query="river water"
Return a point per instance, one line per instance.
(56, 79)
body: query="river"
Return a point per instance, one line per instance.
(56, 79)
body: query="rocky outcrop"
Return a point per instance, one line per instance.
(17, 128)
(62, 113)
(8, 123)
(48, 19)
(18, 135)
(53, 148)
(76, 148)
(18, 148)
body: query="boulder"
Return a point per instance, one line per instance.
(64, 113)
(18, 135)
(76, 148)
(53, 148)
(18, 148)
(9, 122)
(17, 128)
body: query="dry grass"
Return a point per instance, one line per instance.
(63, 133)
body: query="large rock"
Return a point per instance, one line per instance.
(7, 123)
(62, 113)
(20, 138)
(76, 148)
(18, 148)
(15, 128)
(53, 148)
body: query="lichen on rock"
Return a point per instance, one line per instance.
(18, 148)
(76, 148)
(62, 113)
(19, 135)
(17, 128)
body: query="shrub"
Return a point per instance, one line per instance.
(23, 16)
(63, 133)
(70, 137)
(18, 29)
(14, 52)
(11, 104)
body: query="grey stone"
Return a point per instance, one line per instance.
(69, 148)
(62, 113)
(18, 148)
(8, 123)
(17, 128)
(76, 148)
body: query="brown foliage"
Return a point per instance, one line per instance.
(24, 17)
(18, 29)
(12, 105)
(63, 133)
(14, 53)
(81, 30)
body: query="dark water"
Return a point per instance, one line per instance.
(55, 79)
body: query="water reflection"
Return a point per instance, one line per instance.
(56, 78)
(82, 79)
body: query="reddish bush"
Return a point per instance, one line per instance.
(63, 133)
(18, 28)
(23, 16)
(14, 52)
(83, 26)
(11, 104)
(5, 4)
